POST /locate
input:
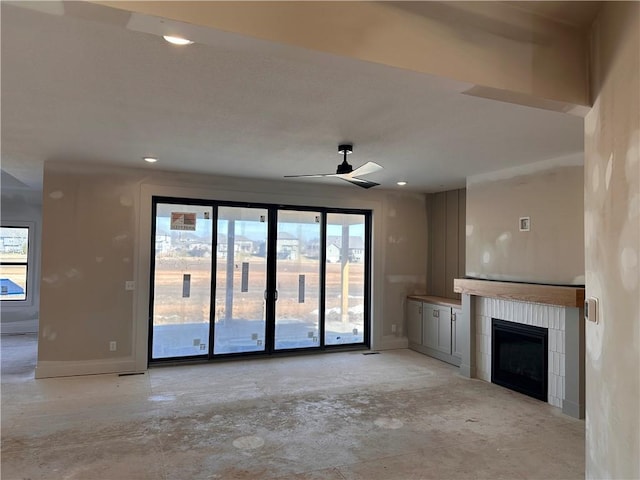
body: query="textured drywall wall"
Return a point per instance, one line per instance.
(96, 234)
(89, 223)
(612, 245)
(551, 195)
(405, 257)
(23, 207)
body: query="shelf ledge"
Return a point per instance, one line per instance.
(521, 292)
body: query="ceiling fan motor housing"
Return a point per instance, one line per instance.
(344, 167)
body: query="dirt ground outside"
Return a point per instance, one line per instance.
(171, 308)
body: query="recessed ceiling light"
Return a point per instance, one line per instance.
(177, 40)
(402, 183)
(150, 159)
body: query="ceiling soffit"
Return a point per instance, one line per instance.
(490, 44)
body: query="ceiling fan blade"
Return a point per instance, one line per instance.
(360, 182)
(316, 175)
(346, 172)
(366, 169)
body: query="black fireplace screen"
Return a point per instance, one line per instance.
(519, 358)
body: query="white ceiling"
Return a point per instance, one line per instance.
(97, 91)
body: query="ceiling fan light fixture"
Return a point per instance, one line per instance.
(177, 40)
(402, 183)
(150, 159)
(346, 172)
(345, 149)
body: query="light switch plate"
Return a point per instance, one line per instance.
(129, 285)
(591, 307)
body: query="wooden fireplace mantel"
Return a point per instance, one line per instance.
(522, 292)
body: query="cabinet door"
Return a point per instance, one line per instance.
(430, 315)
(414, 321)
(436, 327)
(456, 331)
(444, 330)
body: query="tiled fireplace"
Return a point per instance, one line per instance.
(557, 309)
(546, 316)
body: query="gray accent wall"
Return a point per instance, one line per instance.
(446, 214)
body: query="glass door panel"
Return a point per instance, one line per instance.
(345, 279)
(241, 280)
(297, 280)
(181, 281)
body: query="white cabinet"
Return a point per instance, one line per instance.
(429, 325)
(456, 333)
(436, 327)
(414, 321)
(431, 328)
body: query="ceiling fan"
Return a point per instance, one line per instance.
(346, 172)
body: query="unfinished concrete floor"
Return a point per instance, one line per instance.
(396, 415)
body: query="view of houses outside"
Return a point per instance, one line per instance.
(297, 280)
(14, 253)
(182, 280)
(345, 282)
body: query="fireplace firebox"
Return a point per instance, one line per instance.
(519, 357)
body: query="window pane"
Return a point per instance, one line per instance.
(13, 282)
(345, 281)
(297, 280)
(14, 244)
(241, 280)
(182, 280)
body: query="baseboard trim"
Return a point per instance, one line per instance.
(49, 369)
(467, 371)
(573, 409)
(391, 342)
(19, 327)
(435, 354)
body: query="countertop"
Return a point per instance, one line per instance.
(446, 302)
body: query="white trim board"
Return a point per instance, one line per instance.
(49, 369)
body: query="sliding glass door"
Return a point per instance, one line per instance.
(241, 280)
(232, 279)
(345, 284)
(181, 280)
(297, 307)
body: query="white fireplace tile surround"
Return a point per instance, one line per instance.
(557, 308)
(539, 315)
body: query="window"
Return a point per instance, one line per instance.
(14, 255)
(230, 278)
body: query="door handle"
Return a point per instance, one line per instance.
(275, 295)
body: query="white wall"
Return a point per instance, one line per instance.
(23, 207)
(97, 230)
(473, 42)
(612, 245)
(551, 194)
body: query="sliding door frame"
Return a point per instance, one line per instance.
(271, 264)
